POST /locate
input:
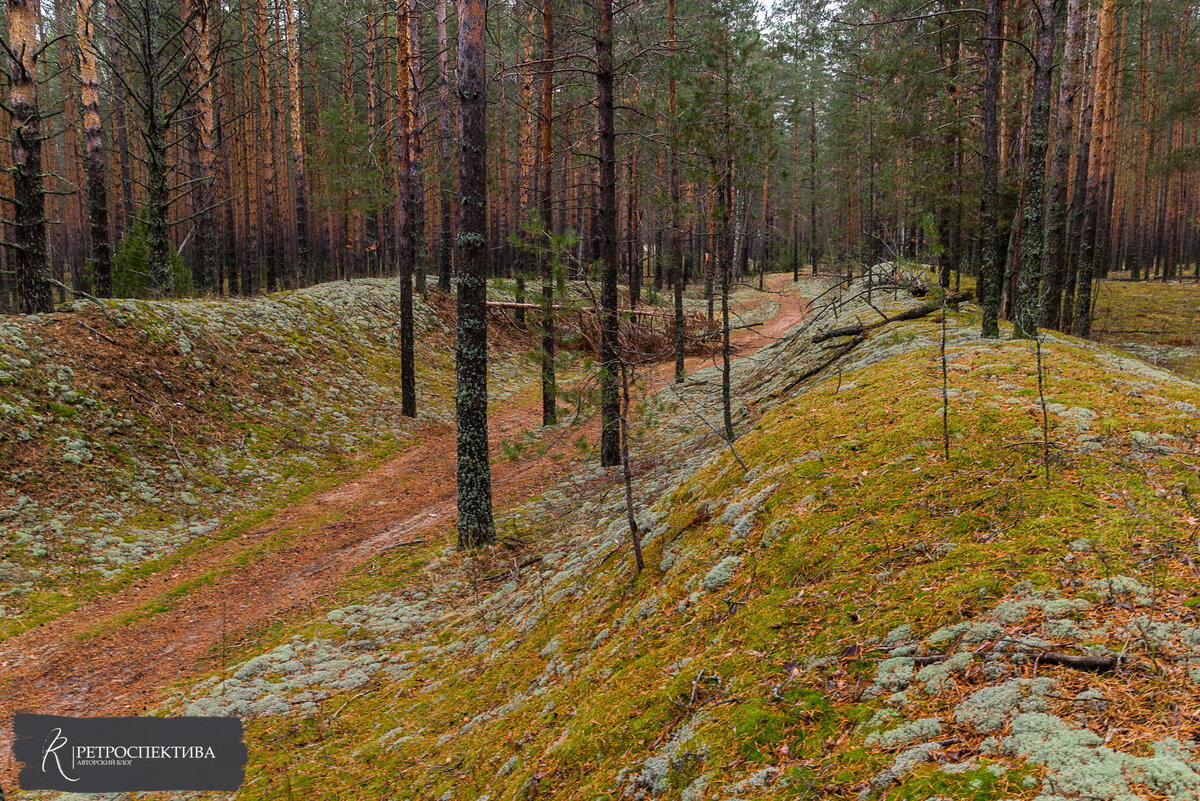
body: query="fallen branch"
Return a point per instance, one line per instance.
(1159, 332)
(1030, 442)
(343, 706)
(813, 371)
(914, 313)
(1097, 664)
(98, 333)
(404, 544)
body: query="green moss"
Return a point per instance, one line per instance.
(989, 781)
(860, 543)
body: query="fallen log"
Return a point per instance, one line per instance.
(851, 345)
(1096, 664)
(916, 312)
(507, 304)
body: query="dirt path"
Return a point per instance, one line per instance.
(88, 663)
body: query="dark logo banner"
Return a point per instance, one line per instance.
(117, 755)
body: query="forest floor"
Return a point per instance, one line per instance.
(115, 653)
(832, 608)
(1156, 320)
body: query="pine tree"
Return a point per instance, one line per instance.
(992, 271)
(28, 244)
(1033, 228)
(546, 195)
(475, 524)
(93, 134)
(606, 219)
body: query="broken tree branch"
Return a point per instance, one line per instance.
(914, 313)
(813, 371)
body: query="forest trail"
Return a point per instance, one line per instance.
(117, 654)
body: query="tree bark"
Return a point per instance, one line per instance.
(796, 200)
(506, 190)
(29, 198)
(992, 270)
(1056, 220)
(157, 151)
(120, 123)
(949, 225)
(549, 386)
(445, 165)
(205, 167)
(677, 277)
(475, 524)
(610, 352)
(1033, 231)
(813, 251)
(270, 224)
(93, 136)
(726, 277)
(1078, 199)
(296, 141)
(1089, 239)
(416, 123)
(406, 245)
(631, 202)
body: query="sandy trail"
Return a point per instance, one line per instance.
(88, 663)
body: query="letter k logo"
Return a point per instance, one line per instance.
(57, 741)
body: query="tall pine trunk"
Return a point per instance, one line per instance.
(631, 204)
(677, 277)
(158, 198)
(1033, 231)
(475, 524)
(93, 136)
(296, 142)
(1078, 200)
(948, 225)
(120, 122)
(992, 269)
(266, 109)
(796, 200)
(1056, 219)
(406, 249)
(205, 164)
(416, 124)
(1092, 230)
(29, 197)
(445, 165)
(813, 251)
(726, 275)
(610, 353)
(549, 387)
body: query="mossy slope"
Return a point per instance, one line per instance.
(134, 429)
(789, 637)
(843, 613)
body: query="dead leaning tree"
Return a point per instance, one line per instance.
(859, 332)
(915, 313)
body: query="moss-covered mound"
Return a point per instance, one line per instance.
(830, 609)
(134, 429)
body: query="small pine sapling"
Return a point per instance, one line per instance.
(1045, 417)
(937, 249)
